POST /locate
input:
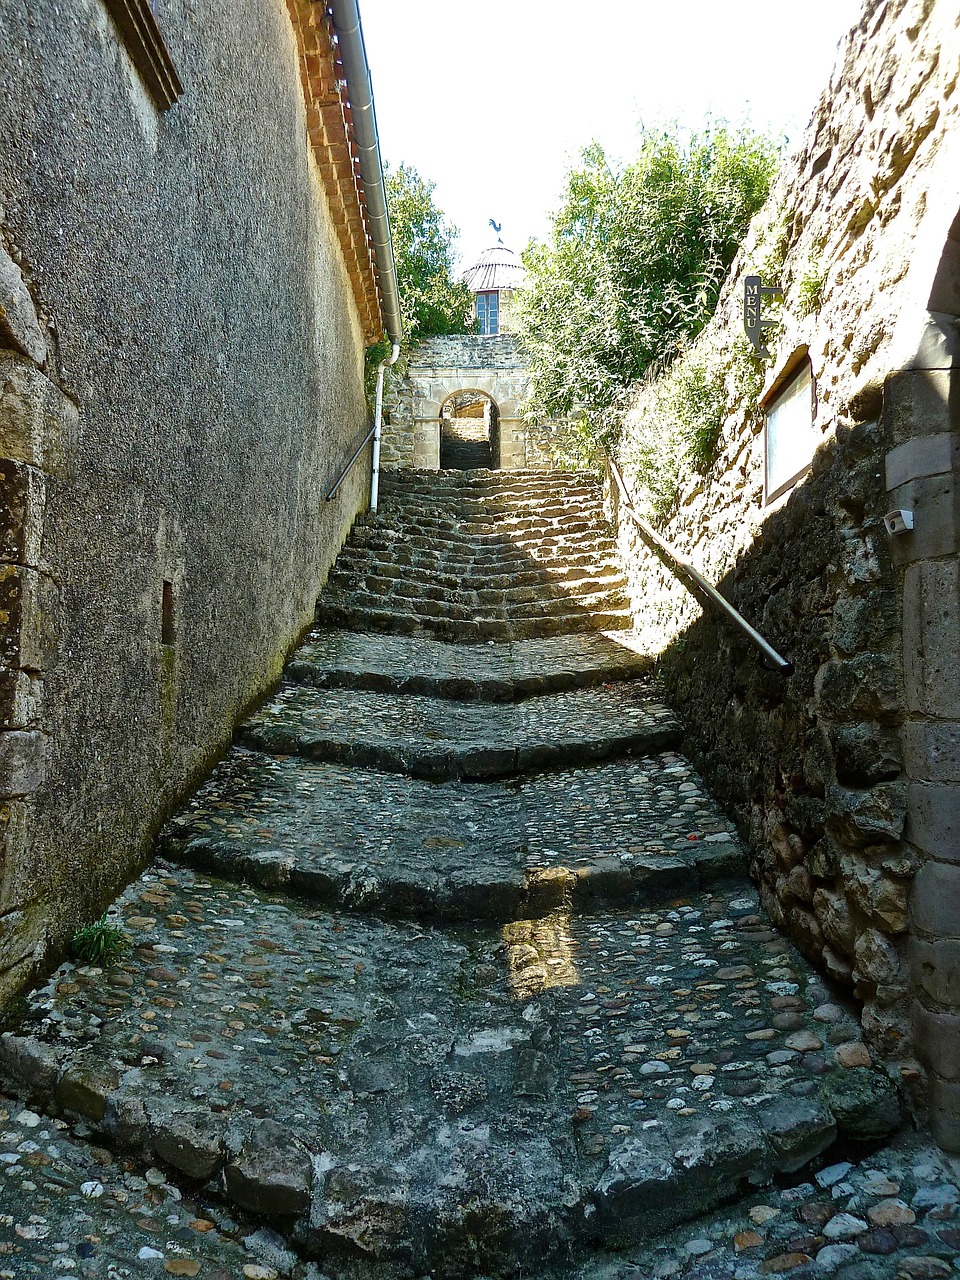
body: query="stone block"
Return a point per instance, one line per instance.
(882, 898)
(272, 1174)
(939, 343)
(936, 969)
(833, 916)
(863, 687)
(931, 638)
(931, 455)
(865, 754)
(937, 1040)
(866, 817)
(798, 1129)
(864, 1103)
(866, 623)
(931, 750)
(23, 501)
(21, 700)
(933, 819)
(38, 424)
(935, 503)
(28, 615)
(877, 960)
(30, 1062)
(190, 1142)
(17, 873)
(23, 762)
(19, 323)
(944, 1111)
(85, 1089)
(935, 905)
(918, 403)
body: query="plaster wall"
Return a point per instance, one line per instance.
(843, 776)
(180, 378)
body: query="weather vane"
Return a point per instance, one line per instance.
(496, 226)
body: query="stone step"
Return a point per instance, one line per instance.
(484, 515)
(490, 482)
(354, 563)
(475, 596)
(375, 617)
(135, 1222)
(641, 831)
(494, 673)
(377, 1090)
(508, 564)
(402, 518)
(436, 738)
(440, 606)
(493, 540)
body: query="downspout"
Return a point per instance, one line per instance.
(353, 55)
(378, 426)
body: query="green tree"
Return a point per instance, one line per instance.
(635, 263)
(431, 300)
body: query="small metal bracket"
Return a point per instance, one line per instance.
(754, 291)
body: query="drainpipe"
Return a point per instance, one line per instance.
(378, 426)
(353, 55)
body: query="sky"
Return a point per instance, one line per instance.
(493, 100)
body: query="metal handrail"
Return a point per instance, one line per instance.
(682, 569)
(332, 491)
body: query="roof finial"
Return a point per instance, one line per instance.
(496, 226)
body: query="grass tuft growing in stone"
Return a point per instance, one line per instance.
(99, 943)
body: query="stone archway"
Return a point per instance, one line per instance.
(469, 431)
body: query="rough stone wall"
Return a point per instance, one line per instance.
(550, 445)
(831, 771)
(180, 375)
(438, 369)
(467, 362)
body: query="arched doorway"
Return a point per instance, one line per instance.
(469, 431)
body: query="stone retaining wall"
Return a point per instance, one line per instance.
(845, 775)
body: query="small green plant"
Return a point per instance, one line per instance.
(810, 293)
(99, 943)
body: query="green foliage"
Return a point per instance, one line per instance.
(809, 292)
(432, 302)
(635, 265)
(99, 943)
(674, 428)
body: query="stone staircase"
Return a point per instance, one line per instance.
(480, 555)
(451, 968)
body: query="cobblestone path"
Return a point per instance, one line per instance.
(452, 969)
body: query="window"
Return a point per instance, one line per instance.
(141, 36)
(488, 312)
(790, 437)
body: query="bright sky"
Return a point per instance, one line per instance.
(492, 101)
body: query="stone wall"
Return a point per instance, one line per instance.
(181, 358)
(438, 369)
(443, 366)
(844, 775)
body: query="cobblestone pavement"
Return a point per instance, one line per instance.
(890, 1215)
(492, 672)
(438, 738)
(593, 1077)
(643, 829)
(525, 1021)
(72, 1210)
